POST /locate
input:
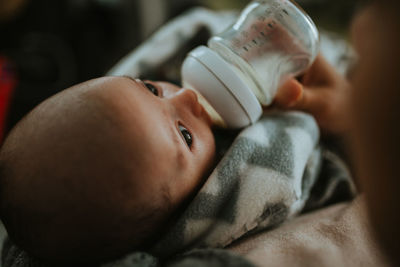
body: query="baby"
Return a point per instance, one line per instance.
(100, 169)
(92, 171)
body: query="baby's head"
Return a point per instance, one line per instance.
(96, 170)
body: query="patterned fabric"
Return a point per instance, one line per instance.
(264, 179)
(169, 41)
(274, 170)
(210, 258)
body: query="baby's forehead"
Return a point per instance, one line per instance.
(113, 100)
(123, 106)
(109, 90)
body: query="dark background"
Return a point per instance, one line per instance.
(53, 44)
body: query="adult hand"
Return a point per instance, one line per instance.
(322, 92)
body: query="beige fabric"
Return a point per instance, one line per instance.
(335, 236)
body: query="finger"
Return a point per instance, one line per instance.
(313, 101)
(289, 93)
(320, 73)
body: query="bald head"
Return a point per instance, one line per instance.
(67, 184)
(98, 169)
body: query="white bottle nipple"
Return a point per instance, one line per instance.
(214, 116)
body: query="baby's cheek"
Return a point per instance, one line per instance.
(207, 152)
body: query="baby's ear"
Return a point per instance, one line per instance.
(289, 93)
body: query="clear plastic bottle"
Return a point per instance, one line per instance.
(242, 68)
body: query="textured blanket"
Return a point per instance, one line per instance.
(264, 179)
(273, 170)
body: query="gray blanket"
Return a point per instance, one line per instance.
(273, 170)
(264, 179)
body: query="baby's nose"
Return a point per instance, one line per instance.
(187, 100)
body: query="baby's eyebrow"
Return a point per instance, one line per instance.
(132, 79)
(135, 80)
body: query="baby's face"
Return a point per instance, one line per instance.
(103, 155)
(169, 131)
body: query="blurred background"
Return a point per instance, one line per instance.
(48, 45)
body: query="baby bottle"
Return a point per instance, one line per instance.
(241, 69)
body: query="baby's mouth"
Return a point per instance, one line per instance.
(211, 115)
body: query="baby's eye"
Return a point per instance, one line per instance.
(151, 88)
(187, 135)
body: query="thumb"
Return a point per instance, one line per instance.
(289, 93)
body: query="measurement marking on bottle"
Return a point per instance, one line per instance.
(285, 11)
(254, 41)
(245, 48)
(267, 12)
